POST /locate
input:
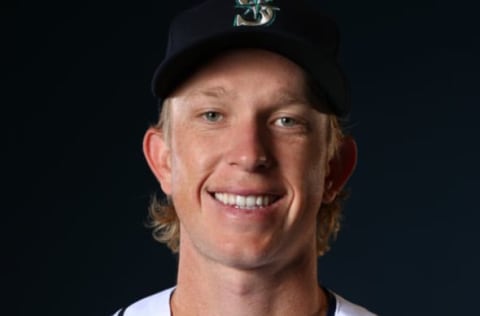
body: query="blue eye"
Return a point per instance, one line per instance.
(286, 121)
(212, 116)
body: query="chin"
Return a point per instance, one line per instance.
(244, 256)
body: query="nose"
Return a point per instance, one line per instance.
(248, 148)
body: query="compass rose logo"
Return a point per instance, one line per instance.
(255, 12)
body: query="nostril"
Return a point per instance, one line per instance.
(263, 161)
(252, 163)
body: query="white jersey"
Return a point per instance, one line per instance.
(159, 305)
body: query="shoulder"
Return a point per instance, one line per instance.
(154, 305)
(346, 308)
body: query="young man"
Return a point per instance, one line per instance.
(250, 154)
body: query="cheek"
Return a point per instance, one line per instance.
(305, 170)
(317, 174)
(316, 181)
(193, 159)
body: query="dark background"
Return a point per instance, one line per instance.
(76, 101)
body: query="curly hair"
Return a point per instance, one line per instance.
(165, 224)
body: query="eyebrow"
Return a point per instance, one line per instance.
(213, 92)
(283, 97)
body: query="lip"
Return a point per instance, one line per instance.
(244, 191)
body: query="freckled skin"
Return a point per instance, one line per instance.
(249, 92)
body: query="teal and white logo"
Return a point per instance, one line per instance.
(255, 12)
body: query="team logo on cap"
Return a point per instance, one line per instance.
(255, 12)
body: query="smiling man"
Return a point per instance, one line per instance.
(251, 156)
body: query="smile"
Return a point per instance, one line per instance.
(245, 201)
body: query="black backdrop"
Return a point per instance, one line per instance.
(76, 100)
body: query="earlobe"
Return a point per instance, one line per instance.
(341, 167)
(157, 153)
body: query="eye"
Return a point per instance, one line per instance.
(286, 121)
(212, 116)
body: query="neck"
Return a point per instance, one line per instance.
(207, 287)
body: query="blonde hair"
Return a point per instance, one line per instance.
(165, 224)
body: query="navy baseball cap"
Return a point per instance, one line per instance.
(294, 29)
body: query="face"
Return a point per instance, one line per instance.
(245, 161)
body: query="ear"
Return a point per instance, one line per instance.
(340, 169)
(158, 155)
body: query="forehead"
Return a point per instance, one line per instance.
(232, 73)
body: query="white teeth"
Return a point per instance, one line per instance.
(242, 201)
(251, 201)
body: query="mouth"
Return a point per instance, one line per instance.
(248, 202)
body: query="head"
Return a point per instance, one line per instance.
(249, 125)
(248, 148)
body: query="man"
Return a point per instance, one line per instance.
(250, 154)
